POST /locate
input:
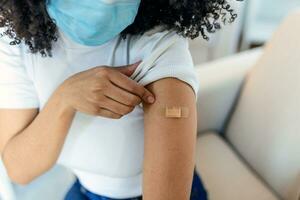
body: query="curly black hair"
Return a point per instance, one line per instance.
(28, 20)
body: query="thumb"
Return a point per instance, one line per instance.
(128, 69)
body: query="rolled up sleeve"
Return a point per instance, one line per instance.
(169, 56)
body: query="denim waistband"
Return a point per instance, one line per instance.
(92, 196)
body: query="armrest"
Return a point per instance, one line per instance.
(220, 82)
(6, 191)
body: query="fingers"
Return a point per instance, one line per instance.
(103, 112)
(131, 86)
(122, 96)
(92, 108)
(116, 107)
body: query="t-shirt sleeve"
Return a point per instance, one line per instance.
(16, 88)
(164, 54)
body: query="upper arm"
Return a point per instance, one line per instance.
(169, 143)
(13, 121)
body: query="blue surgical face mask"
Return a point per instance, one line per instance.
(92, 22)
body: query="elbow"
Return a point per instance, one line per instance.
(22, 182)
(16, 173)
(19, 178)
(23, 174)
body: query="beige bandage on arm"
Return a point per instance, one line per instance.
(175, 111)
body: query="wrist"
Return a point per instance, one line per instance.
(62, 101)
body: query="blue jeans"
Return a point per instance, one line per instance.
(78, 192)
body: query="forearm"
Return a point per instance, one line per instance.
(34, 150)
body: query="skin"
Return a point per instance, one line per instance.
(169, 148)
(30, 145)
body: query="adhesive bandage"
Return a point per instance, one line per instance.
(175, 111)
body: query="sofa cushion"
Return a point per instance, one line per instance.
(265, 126)
(224, 174)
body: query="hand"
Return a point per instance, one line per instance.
(104, 91)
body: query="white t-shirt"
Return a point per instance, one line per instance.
(105, 154)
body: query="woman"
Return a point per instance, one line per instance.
(72, 75)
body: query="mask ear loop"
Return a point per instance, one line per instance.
(175, 112)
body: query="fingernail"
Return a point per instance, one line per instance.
(151, 99)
